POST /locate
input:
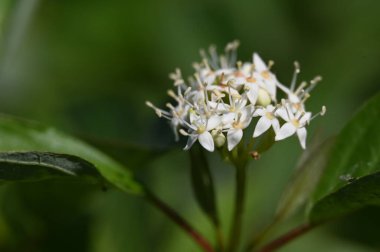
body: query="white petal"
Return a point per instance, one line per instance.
(282, 113)
(285, 131)
(246, 113)
(240, 80)
(206, 140)
(270, 108)
(271, 86)
(234, 136)
(259, 112)
(213, 122)
(194, 117)
(301, 132)
(262, 125)
(253, 93)
(209, 79)
(275, 125)
(190, 141)
(259, 63)
(293, 98)
(283, 88)
(305, 118)
(246, 68)
(228, 118)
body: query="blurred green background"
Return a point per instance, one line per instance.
(87, 67)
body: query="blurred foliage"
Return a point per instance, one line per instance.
(88, 66)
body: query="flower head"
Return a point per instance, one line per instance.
(223, 96)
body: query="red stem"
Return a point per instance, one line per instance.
(174, 216)
(286, 238)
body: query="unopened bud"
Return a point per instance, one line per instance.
(263, 98)
(219, 138)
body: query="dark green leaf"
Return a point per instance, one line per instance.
(18, 135)
(357, 194)
(31, 166)
(355, 156)
(202, 183)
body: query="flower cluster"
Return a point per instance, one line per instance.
(223, 96)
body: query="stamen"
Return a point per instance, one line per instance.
(183, 132)
(306, 96)
(149, 104)
(239, 65)
(198, 79)
(314, 82)
(223, 61)
(187, 91)
(170, 106)
(270, 64)
(302, 85)
(172, 94)
(205, 62)
(295, 74)
(214, 57)
(321, 113)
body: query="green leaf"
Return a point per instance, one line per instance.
(202, 183)
(357, 194)
(306, 176)
(354, 157)
(32, 166)
(18, 135)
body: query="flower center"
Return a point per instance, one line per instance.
(269, 115)
(201, 129)
(265, 74)
(296, 123)
(251, 79)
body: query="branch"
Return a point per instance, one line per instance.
(182, 223)
(286, 238)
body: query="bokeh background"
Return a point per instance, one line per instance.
(87, 67)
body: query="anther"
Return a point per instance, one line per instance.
(323, 111)
(183, 132)
(270, 64)
(297, 67)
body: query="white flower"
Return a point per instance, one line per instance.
(298, 96)
(265, 76)
(241, 120)
(267, 120)
(252, 89)
(220, 99)
(294, 124)
(200, 130)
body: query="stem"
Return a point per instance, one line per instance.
(286, 238)
(182, 223)
(239, 207)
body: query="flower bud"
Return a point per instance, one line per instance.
(219, 138)
(263, 98)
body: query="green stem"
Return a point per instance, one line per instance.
(182, 223)
(235, 232)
